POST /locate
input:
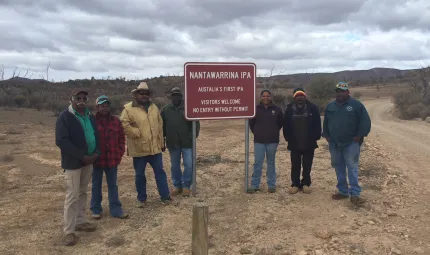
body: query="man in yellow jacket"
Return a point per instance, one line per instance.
(143, 127)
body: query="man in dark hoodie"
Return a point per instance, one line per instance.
(302, 130)
(77, 137)
(265, 126)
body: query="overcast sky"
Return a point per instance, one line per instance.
(143, 38)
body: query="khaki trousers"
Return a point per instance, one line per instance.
(76, 197)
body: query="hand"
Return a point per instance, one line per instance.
(88, 160)
(357, 139)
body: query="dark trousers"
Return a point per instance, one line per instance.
(299, 158)
(96, 196)
(156, 162)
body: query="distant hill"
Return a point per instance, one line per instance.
(162, 84)
(360, 77)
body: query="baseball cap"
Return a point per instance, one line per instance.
(102, 99)
(342, 86)
(175, 90)
(76, 92)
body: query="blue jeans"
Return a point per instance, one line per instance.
(260, 152)
(348, 157)
(156, 162)
(179, 179)
(96, 192)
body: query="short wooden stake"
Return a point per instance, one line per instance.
(200, 242)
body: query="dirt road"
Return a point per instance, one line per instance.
(393, 174)
(409, 141)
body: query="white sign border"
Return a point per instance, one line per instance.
(222, 64)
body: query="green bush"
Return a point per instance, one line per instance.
(357, 95)
(20, 100)
(321, 91)
(410, 105)
(425, 112)
(413, 111)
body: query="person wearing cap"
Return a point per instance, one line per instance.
(265, 126)
(143, 127)
(301, 130)
(77, 137)
(346, 123)
(178, 136)
(112, 148)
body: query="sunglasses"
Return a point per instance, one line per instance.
(143, 93)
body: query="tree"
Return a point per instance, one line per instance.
(271, 84)
(20, 100)
(321, 91)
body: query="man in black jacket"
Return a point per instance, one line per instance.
(265, 126)
(77, 137)
(302, 130)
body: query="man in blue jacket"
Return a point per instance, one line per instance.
(77, 137)
(302, 130)
(346, 123)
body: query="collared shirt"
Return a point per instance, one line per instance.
(112, 141)
(88, 130)
(343, 122)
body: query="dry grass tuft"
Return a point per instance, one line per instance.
(115, 241)
(7, 158)
(13, 141)
(13, 131)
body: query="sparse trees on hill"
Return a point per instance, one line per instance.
(416, 103)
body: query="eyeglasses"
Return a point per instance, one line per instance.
(81, 98)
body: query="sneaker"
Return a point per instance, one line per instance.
(141, 204)
(186, 192)
(166, 201)
(293, 190)
(86, 227)
(271, 190)
(176, 191)
(252, 190)
(338, 196)
(356, 200)
(70, 239)
(96, 216)
(307, 189)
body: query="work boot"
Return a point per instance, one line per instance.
(176, 191)
(307, 189)
(141, 204)
(293, 190)
(338, 196)
(271, 190)
(166, 201)
(357, 201)
(123, 216)
(252, 190)
(70, 239)
(185, 192)
(86, 227)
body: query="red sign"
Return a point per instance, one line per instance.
(219, 90)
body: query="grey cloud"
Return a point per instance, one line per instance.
(113, 37)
